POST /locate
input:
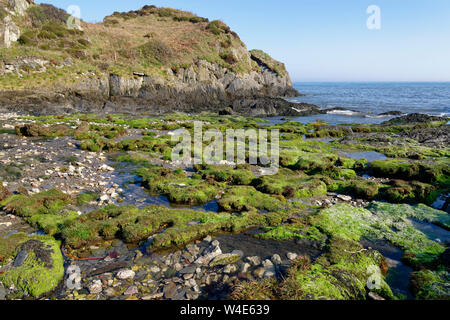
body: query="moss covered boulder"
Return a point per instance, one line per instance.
(45, 210)
(431, 285)
(344, 272)
(37, 269)
(168, 227)
(411, 191)
(176, 186)
(384, 221)
(241, 175)
(291, 184)
(245, 198)
(41, 130)
(425, 171)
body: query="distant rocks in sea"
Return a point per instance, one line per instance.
(413, 118)
(392, 113)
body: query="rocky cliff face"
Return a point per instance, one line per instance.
(190, 87)
(9, 31)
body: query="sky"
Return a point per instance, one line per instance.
(324, 40)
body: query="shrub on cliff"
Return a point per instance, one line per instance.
(156, 51)
(46, 12)
(217, 27)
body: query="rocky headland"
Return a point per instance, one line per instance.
(154, 60)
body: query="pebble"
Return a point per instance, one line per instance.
(375, 296)
(131, 291)
(95, 287)
(245, 267)
(344, 197)
(231, 268)
(126, 274)
(276, 259)
(291, 256)
(256, 261)
(155, 269)
(170, 291)
(259, 272)
(269, 269)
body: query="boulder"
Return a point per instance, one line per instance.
(37, 269)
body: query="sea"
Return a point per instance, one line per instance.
(366, 102)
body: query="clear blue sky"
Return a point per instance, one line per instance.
(325, 40)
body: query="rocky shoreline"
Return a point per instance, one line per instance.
(87, 185)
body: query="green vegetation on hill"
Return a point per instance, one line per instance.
(155, 41)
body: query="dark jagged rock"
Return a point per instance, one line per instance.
(413, 118)
(391, 113)
(430, 137)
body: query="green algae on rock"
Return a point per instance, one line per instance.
(346, 222)
(241, 175)
(176, 186)
(246, 198)
(45, 210)
(431, 285)
(291, 184)
(38, 267)
(8, 245)
(4, 193)
(420, 212)
(344, 272)
(425, 171)
(364, 189)
(169, 227)
(290, 232)
(40, 130)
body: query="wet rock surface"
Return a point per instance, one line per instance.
(206, 267)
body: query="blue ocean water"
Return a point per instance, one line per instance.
(365, 101)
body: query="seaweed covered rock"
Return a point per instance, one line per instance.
(431, 285)
(37, 269)
(245, 198)
(420, 212)
(40, 130)
(364, 189)
(45, 210)
(414, 118)
(179, 226)
(312, 162)
(425, 171)
(241, 175)
(177, 186)
(388, 222)
(291, 184)
(344, 272)
(412, 191)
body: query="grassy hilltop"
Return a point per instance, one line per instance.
(154, 41)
